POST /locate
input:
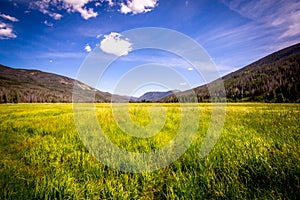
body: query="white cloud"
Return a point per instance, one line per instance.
(71, 6)
(294, 25)
(88, 48)
(138, 6)
(52, 7)
(86, 14)
(55, 16)
(114, 43)
(125, 9)
(110, 3)
(10, 18)
(48, 23)
(165, 60)
(44, 7)
(283, 15)
(79, 6)
(6, 31)
(98, 36)
(58, 55)
(97, 4)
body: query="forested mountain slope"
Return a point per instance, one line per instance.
(21, 85)
(274, 78)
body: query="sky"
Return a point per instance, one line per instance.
(63, 36)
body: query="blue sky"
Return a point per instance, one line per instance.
(57, 35)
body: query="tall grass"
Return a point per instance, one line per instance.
(256, 156)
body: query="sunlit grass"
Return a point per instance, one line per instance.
(256, 156)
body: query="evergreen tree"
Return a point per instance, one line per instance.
(4, 98)
(16, 98)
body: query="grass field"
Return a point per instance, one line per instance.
(256, 157)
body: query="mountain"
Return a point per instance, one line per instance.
(21, 85)
(153, 96)
(274, 78)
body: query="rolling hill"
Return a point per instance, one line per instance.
(21, 85)
(274, 78)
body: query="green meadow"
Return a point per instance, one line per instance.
(257, 155)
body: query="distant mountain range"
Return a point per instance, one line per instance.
(274, 78)
(154, 96)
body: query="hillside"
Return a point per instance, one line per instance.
(274, 78)
(21, 85)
